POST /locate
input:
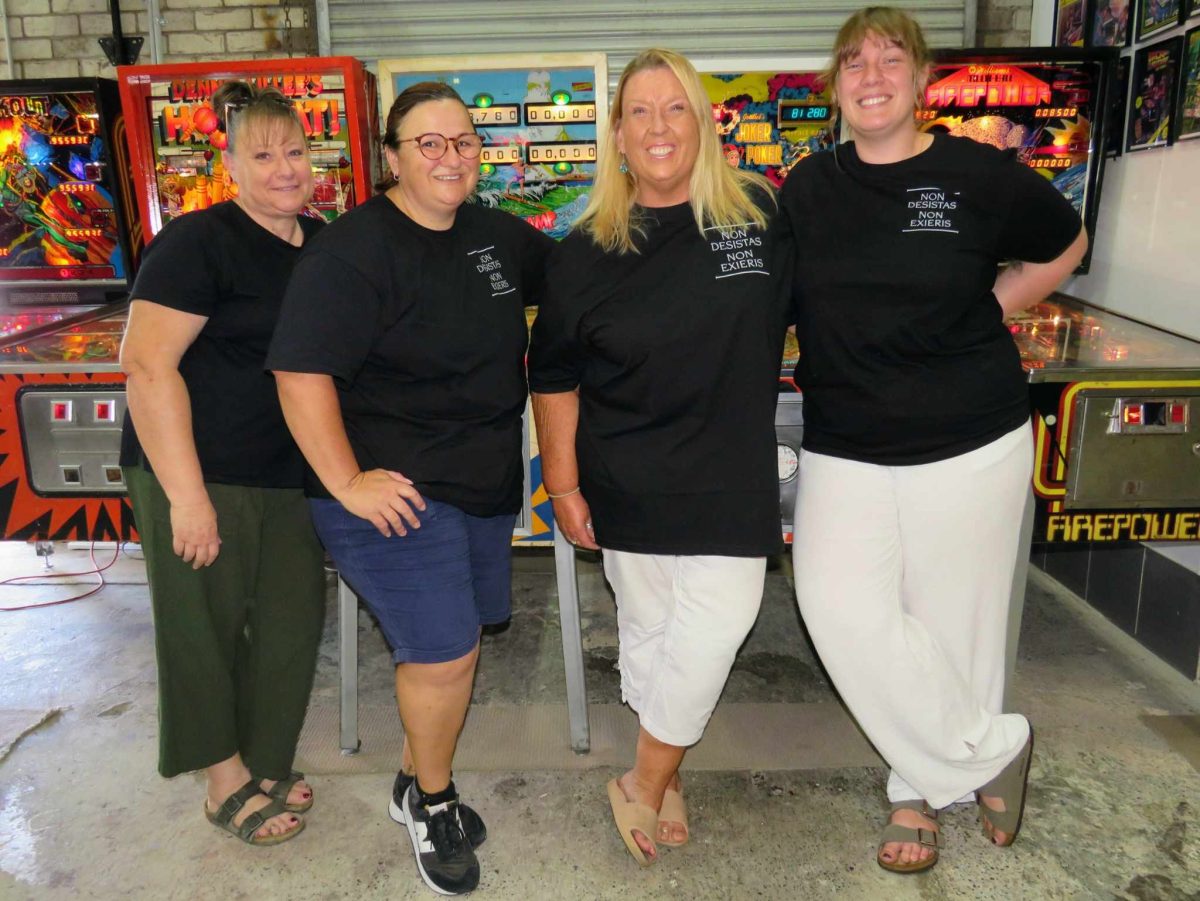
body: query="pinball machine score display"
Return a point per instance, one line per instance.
(540, 117)
(1049, 105)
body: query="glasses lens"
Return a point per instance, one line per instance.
(468, 146)
(433, 146)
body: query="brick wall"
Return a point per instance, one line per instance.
(1003, 23)
(59, 38)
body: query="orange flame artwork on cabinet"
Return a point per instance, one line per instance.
(27, 515)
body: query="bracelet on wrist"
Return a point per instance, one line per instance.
(553, 496)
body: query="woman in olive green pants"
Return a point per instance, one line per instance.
(235, 569)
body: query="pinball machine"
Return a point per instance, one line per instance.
(70, 237)
(1050, 106)
(177, 145)
(154, 155)
(1116, 416)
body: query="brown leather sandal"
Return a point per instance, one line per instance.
(1010, 785)
(928, 838)
(283, 787)
(247, 830)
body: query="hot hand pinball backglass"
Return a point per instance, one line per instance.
(189, 142)
(57, 218)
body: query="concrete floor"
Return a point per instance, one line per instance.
(1112, 807)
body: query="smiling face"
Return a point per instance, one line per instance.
(431, 191)
(876, 90)
(659, 135)
(271, 166)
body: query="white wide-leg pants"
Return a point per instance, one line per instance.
(680, 621)
(903, 575)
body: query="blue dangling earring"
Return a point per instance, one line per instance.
(623, 168)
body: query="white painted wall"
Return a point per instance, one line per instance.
(1146, 261)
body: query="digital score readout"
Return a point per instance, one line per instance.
(495, 114)
(500, 154)
(560, 113)
(793, 112)
(546, 152)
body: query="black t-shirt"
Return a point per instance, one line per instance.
(904, 356)
(676, 351)
(424, 335)
(221, 264)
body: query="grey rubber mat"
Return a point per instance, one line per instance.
(536, 737)
(1181, 733)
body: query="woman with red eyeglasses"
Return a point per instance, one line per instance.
(400, 363)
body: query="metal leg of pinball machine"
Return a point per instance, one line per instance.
(1016, 605)
(348, 668)
(572, 639)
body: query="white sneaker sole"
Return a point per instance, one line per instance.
(396, 812)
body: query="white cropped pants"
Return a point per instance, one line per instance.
(903, 575)
(680, 621)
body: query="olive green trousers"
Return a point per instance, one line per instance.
(236, 641)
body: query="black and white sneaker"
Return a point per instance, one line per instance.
(445, 859)
(471, 822)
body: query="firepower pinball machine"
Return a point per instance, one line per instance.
(1049, 105)
(1116, 416)
(540, 117)
(70, 237)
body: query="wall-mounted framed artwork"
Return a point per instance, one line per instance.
(1070, 22)
(1109, 23)
(1155, 16)
(1152, 98)
(1188, 118)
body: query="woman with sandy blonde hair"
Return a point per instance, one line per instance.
(917, 449)
(654, 367)
(234, 566)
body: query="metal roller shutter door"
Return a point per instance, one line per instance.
(705, 28)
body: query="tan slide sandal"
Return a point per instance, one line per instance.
(674, 810)
(630, 816)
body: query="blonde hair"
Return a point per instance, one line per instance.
(885, 22)
(240, 105)
(719, 193)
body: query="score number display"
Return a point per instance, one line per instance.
(792, 112)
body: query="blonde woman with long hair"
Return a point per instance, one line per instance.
(654, 368)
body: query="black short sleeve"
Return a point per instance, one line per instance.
(182, 267)
(1041, 223)
(329, 320)
(555, 356)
